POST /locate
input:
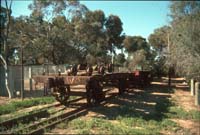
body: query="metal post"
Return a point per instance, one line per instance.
(30, 78)
(197, 94)
(22, 75)
(192, 90)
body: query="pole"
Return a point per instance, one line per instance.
(169, 70)
(22, 75)
(192, 90)
(197, 94)
(30, 78)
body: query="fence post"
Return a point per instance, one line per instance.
(30, 78)
(197, 94)
(192, 88)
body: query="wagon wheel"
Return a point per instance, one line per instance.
(94, 93)
(90, 96)
(121, 86)
(63, 93)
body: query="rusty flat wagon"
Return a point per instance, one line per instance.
(59, 85)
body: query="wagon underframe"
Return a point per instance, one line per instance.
(60, 85)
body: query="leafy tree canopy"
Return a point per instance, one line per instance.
(185, 46)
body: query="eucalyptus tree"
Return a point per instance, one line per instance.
(114, 34)
(90, 30)
(2, 27)
(160, 41)
(185, 46)
(61, 39)
(29, 34)
(134, 43)
(60, 36)
(139, 53)
(6, 13)
(90, 33)
(6, 19)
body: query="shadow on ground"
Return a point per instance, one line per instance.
(148, 103)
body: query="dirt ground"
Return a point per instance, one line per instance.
(185, 100)
(4, 100)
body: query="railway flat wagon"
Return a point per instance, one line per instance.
(60, 85)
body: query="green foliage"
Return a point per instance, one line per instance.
(151, 126)
(44, 8)
(120, 59)
(3, 17)
(17, 105)
(114, 28)
(89, 32)
(159, 39)
(185, 47)
(48, 35)
(167, 124)
(159, 67)
(138, 58)
(161, 107)
(139, 53)
(102, 126)
(124, 125)
(160, 42)
(134, 43)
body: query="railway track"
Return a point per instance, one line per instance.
(41, 120)
(8, 125)
(28, 116)
(81, 111)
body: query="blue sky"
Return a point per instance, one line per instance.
(138, 17)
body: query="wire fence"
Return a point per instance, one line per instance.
(15, 76)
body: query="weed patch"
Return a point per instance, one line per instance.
(17, 105)
(167, 124)
(152, 126)
(178, 112)
(104, 126)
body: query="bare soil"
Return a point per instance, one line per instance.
(4, 100)
(182, 98)
(185, 100)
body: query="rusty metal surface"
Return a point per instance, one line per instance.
(76, 80)
(71, 80)
(136, 76)
(117, 75)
